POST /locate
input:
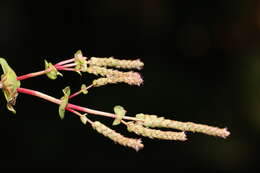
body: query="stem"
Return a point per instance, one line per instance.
(58, 66)
(64, 62)
(79, 92)
(66, 69)
(71, 106)
(75, 94)
(79, 114)
(67, 65)
(33, 74)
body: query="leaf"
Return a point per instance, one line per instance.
(120, 113)
(84, 89)
(64, 102)
(53, 73)
(9, 84)
(78, 54)
(10, 108)
(84, 119)
(81, 63)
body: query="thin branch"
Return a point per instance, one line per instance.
(79, 92)
(79, 114)
(72, 106)
(34, 74)
(65, 62)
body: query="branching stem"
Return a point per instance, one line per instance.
(59, 66)
(79, 114)
(71, 106)
(79, 92)
(65, 62)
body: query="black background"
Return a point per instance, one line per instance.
(201, 64)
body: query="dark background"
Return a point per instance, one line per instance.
(202, 64)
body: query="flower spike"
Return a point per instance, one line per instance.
(140, 124)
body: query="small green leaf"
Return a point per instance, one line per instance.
(10, 108)
(120, 113)
(53, 73)
(84, 89)
(9, 84)
(78, 54)
(66, 91)
(64, 102)
(84, 119)
(81, 63)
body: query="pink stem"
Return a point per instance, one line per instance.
(75, 94)
(65, 62)
(58, 66)
(66, 69)
(33, 74)
(67, 65)
(79, 92)
(71, 106)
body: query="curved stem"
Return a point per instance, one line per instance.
(71, 106)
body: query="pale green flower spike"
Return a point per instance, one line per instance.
(84, 89)
(9, 84)
(84, 119)
(120, 113)
(64, 102)
(81, 63)
(53, 73)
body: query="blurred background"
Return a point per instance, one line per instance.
(202, 64)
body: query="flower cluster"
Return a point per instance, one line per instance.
(107, 70)
(112, 62)
(117, 137)
(154, 121)
(153, 133)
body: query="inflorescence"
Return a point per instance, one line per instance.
(107, 70)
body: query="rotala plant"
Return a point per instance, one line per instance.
(106, 68)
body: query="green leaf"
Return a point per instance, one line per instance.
(84, 119)
(64, 102)
(53, 73)
(9, 84)
(81, 63)
(120, 113)
(84, 89)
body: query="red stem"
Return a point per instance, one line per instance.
(67, 65)
(33, 74)
(58, 66)
(71, 106)
(75, 94)
(66, 69)
(64, 62)
(79, 92)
